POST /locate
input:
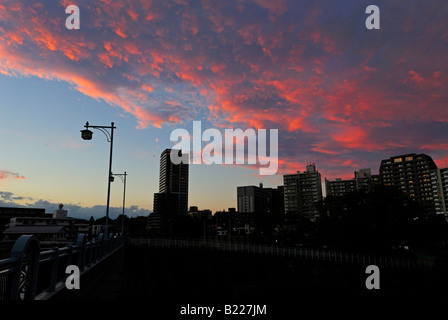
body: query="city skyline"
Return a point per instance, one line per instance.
(342, 185)
(341, 96)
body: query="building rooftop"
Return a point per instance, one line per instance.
(34, 229)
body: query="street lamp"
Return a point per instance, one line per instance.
(122, 176)
(86, 134)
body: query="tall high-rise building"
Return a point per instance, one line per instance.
(172, 199)
(291, 193)
(439, 183)
(411, 173)
(302, 191)
(173, 179)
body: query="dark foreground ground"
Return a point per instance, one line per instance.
(162, 281)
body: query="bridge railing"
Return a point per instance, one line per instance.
(303, 253)
(30, 273)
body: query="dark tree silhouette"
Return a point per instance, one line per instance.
(376, 221)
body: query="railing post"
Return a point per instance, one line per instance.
(26, 251)
(108, 244)
(54, 268)
(81, 243)
(70, 254)
(89, 247)
(100, 246)
(93, 249)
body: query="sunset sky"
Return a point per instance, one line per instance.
(340, 95)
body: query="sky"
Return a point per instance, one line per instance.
(340, 95)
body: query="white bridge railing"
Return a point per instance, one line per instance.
(302, 253)
(32, 274)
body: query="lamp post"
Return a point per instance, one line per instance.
(86, 134)
(123, 179)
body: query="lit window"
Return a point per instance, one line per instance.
(408, 159)
(398, 160)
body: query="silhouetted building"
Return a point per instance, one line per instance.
(260, 200)
(172, 198)
(361, 182)
(165, 209)
(291, 193)
(376, 180)
(155, 223)
(173, 178)
(195, 212)
(193, 209)
(166, 203)
(339, 187)
(251, 199)
(363, 179)
(55, 228)
(6, 213)
(302, 191)
(439, 183)
(411, 173)
(275, 200)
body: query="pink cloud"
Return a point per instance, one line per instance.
(276, 64)
(8, 174)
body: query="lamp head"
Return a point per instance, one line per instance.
(86, 134)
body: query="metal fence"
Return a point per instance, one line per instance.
(302, 253)
(30, 273)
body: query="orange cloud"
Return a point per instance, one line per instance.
(132, 14)
(328, 87)
(8, 174)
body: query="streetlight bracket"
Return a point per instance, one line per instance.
(120, 175)
(102, 129)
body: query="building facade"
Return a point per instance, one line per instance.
(439, 183)
(172, 199)
(6, 213)
(302, 192)
(411, 173)
(362, 181)
(251, 199)
(49, 228)
(291, 193)
(260, 200)
(339, 187)
(173, 179)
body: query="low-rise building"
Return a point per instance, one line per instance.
(57, 228)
